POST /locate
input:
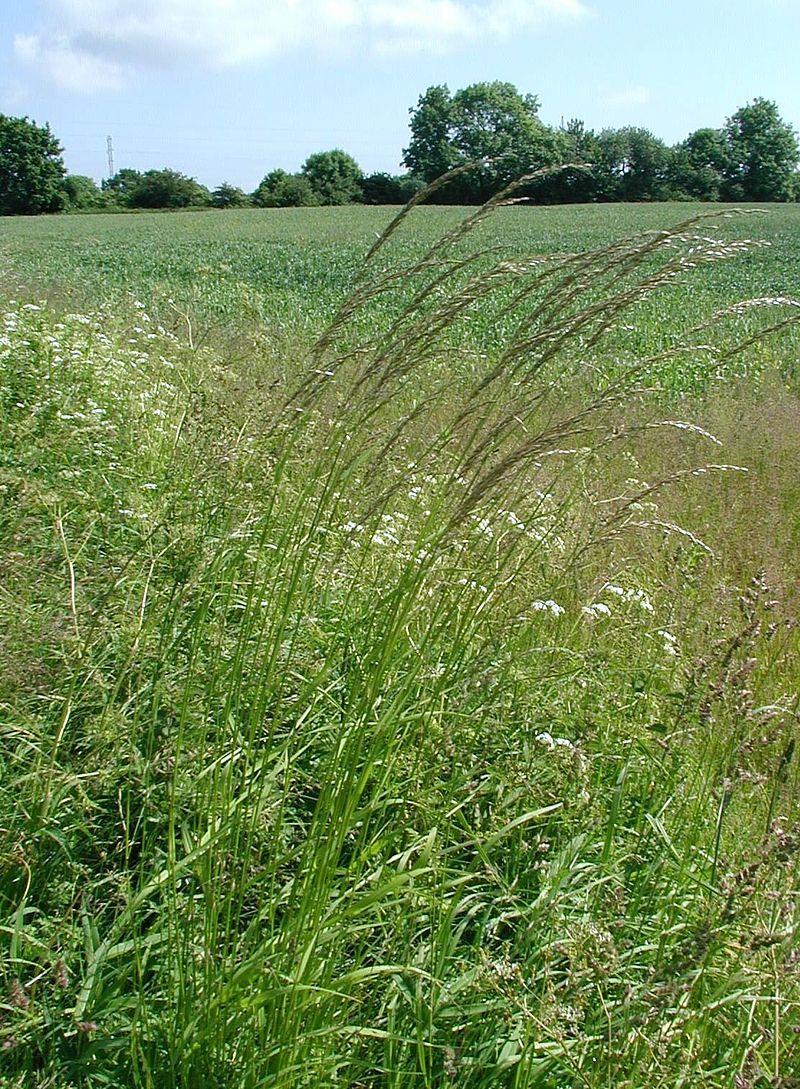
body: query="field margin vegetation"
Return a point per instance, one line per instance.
(419, 712)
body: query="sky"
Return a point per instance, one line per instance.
(230, 89)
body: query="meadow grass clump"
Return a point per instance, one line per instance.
(377, 721)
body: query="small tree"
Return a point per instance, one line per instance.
(334, 176)
(390, 188)
(31, 168)
(121, 187)
(633, 165)
(228, 196)
(578, 183)
(81, 193)
(281, 190)
(168, 189)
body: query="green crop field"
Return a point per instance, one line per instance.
(399, 672)
(291, 266)
(235, 276)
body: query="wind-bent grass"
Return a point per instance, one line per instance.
(379, 725)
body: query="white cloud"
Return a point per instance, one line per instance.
(101, 44)
(627, 96)
(70, 67)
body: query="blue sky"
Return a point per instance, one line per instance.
(229, 89)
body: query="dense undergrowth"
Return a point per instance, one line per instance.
(414, 718)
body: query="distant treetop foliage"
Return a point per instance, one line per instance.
(754, 156)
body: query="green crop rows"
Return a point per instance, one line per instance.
(289, 268)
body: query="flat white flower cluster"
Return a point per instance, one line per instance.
(631, 596)
(548, 606)
(597, 610)
(636, 596)
(551, 742)
(74, 371)
(390, 530)
(600, 610)
(541, 529)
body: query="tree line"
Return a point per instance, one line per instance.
(753, 156)
(327, 177)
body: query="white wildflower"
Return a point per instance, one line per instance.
(548, 606)
(551, 742)
(595, 611)
(383, 538)
(641, 599)
(473, 585)
(635, 596)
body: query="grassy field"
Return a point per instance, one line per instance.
(416, 707)
(289, 268)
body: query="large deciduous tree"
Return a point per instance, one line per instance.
(763, 153)
(632, 165)
(31, 168)
(431, 151)
(701, 165)
(485, 120)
